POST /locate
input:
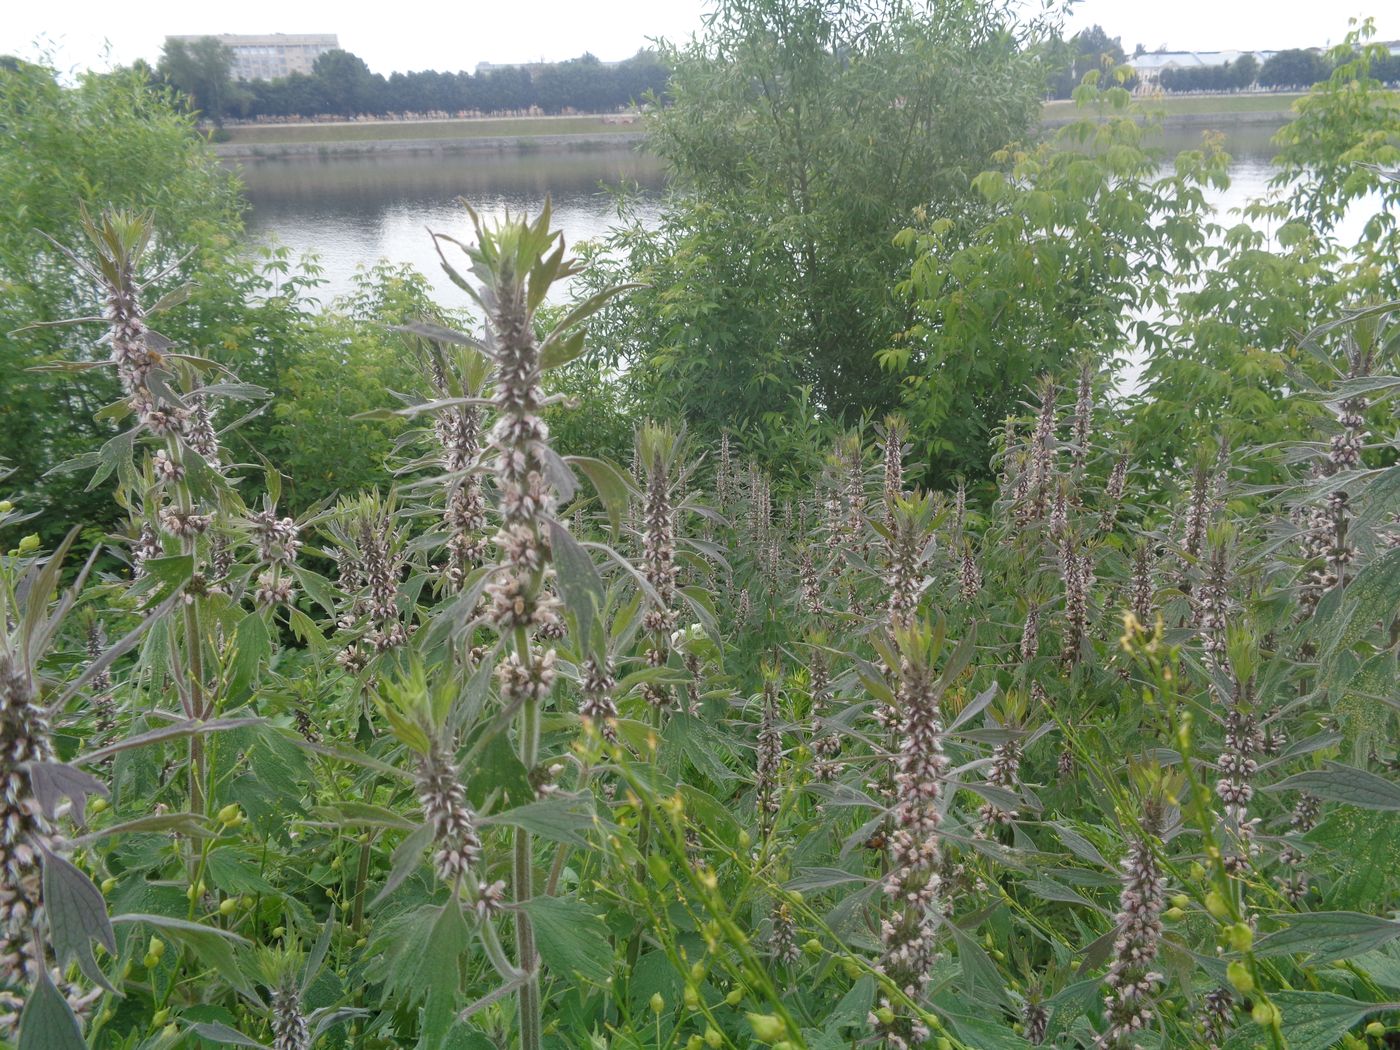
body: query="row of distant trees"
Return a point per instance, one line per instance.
(1297, 68)
(341, 84)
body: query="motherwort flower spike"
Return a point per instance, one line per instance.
(770, 755)
(913, 882)
(1131, 982)
(1083, 417)
(27, 831)
(659, 446)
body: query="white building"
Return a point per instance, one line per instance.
(272, 55)
(1151, 66)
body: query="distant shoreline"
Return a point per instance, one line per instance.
(257, 142)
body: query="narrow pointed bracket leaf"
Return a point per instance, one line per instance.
(190, 727)
(405, 860)
(609, 483)
(579, 583)
(317, 957)
(217, 1032)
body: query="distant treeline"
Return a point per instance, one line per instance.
(1067, 61)
(341, 84)
(1293, 69)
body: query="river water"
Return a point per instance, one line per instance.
(353, 212)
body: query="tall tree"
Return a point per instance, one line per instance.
(801, 136)
(203, 70)
(1294, 68)
(347, 84)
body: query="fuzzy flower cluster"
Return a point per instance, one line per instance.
(1198, 509)
(1083, 417)
(1235, 785)
(102, 700)
(371, 563)
(519, 448)
(1213, 607)
(458, 433)
(810, 582)
(908, 933)
(1077, 575)
(1143, 587)
(596, 687)
(908, 544)
(895, 432)
(278, 541)
(826, 747)
(857, 544)
(1113, 495)
(783, 942)
(1032, 492)
(1005, 773)
(724, 473)
(24, 738)
(444, 802)
(659, 556)
(969, 575)
(526, 681)
(289, 1028)
(1131, 981)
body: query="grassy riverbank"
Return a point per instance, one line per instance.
(1202, 106)
(394, 130)
(268, 141)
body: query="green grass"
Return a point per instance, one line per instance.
(1196, 105)
(525, 127)
(428, 129)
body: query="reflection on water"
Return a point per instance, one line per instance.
(354, 211)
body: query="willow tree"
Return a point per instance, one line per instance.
(800, 137)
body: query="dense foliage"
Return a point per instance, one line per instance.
(421, 690)
(799, 143)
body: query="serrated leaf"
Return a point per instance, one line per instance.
(981, 978)
(1342, 783)
(1329, 935)
(571, 939)
(559, 819)
(854, 1006)
(317, 958)
(1311, 1020)
(439, 973)
(252, 645)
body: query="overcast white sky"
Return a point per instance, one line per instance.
(436, 34)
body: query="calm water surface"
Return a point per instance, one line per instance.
(355, 211)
